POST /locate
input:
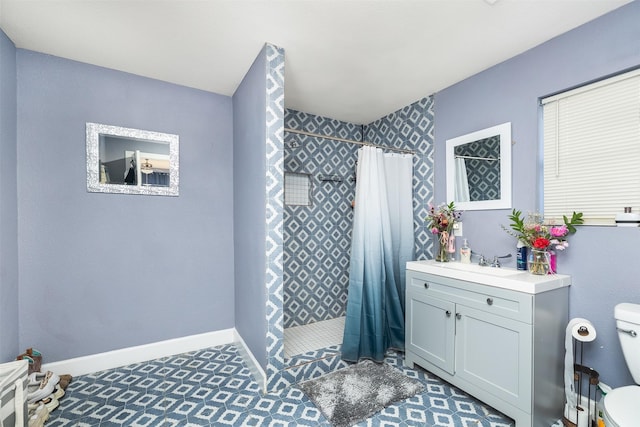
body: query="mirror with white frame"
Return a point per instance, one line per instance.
(131, 161)
(479, 169)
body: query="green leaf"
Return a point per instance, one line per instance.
(576, 219)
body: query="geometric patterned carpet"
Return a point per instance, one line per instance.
(213, 387)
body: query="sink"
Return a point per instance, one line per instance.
(506, 277)
(475, 268)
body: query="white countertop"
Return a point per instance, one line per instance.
(506, 278)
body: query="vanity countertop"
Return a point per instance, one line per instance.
(505, 277)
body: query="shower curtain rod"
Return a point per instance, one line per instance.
(350, 141)
(477, 158)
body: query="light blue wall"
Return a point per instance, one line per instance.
(258, 123)
(100, 272)
(603, 261)
(249, 182)
(8, 210)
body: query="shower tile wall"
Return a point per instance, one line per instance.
(318, 237)
(274, 238)
(412, 128)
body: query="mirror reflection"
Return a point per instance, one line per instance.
(479, 169)
(131, 161)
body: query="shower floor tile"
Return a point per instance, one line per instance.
(314, 336)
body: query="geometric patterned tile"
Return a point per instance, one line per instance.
(274, 196)
(317, 238)
(412, 128)
(305, 358)
(483, 175)
(235, 400)
(313, 364)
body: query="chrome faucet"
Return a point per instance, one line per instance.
(482, 261)
(496, 260)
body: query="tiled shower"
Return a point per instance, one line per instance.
(317, 230)
(317, 237)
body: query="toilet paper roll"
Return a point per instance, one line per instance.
(580, 330)
(583, 330)
(583, 420)
(579, 415)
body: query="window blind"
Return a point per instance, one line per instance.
(592, 150)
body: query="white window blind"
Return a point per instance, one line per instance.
(592, 150)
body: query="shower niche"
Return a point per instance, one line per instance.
(297, 189)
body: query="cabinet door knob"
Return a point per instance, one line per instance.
(426, 285)
(448, 313)
(490, 301)
(458, 316)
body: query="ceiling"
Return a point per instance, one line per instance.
(351, 60)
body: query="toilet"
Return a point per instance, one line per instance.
(621, 406)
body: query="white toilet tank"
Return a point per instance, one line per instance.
(628, 324)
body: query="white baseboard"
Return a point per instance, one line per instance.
(253, 365)
(126, 356)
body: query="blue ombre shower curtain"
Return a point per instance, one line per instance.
(382, 243)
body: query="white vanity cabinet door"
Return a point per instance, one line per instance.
(494, 353)
(430, 329)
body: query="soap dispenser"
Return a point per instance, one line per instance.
(465, 253)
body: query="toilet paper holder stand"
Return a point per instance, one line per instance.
(582, 374)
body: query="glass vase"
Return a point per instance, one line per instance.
(442, 255)
(539, 262)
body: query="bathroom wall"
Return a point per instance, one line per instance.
(249, 201)
(8, 209)
(100, 272)
(258, 119)
(601, 260)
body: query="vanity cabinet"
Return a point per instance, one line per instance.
(502, 344)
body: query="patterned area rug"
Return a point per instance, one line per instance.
(353, 394)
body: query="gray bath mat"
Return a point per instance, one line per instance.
(353, 394)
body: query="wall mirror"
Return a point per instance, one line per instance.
(479, 169)
(131, 161)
